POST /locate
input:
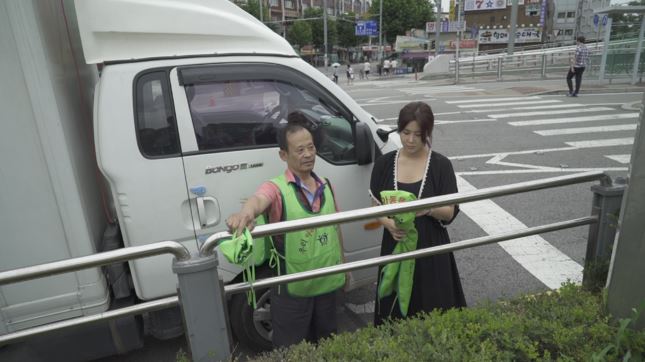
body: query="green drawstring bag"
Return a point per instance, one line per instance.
(248, 253)
(397, 277)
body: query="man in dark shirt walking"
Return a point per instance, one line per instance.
(578, 63)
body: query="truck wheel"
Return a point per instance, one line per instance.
(252, 328)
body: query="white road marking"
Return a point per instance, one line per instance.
(573, 146)
(483, 100)
(551, 106)
(437, 121)
(381, 103)
(511, 103)
(466, 121)
(545, 262)
(563, 131)
(438, 90)
(544, 113)
(624, 159)
(602, 117)
(602, 143)
(361, 308)
(545, 170)
(446, 113)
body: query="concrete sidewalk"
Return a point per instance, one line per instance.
(502, 88)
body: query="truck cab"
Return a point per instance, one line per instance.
(185, 114)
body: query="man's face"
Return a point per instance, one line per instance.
(300, 155)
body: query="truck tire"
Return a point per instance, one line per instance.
(253, 328)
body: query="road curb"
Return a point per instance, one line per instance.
(592, 91)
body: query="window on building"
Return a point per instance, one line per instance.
(562, 15)
(273, 3)
(568, 31)
(288, 4)
(571, 14)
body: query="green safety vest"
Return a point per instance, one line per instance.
(312, 248)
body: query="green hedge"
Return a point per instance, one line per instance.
(568, 325)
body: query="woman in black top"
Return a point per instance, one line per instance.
(416, 168)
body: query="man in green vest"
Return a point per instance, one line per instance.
(305, 309)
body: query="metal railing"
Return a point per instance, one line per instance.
(547, 63)
(101, 259)
(202, 292)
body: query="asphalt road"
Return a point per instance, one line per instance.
(497, 134)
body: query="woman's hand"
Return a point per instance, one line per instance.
(390, 225)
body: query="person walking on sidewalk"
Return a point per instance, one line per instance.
(578, 64)
(366, 69)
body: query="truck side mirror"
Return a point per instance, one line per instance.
(364, 144)
(383, 134)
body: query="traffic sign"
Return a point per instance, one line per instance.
(604, 20)
(596, 19)
(366, 28)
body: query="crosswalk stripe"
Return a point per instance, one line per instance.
(544, 261)
(483, 100)
(544, 113)
(602, 117)
(466, 121)
(563, 131)
(549, 106)
(510, 103)
(624, 159)
(439, 91)
(602, 143)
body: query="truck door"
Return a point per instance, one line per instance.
(228, 116)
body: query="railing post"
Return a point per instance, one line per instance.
(203, 306)
(543, 66)
(499, 68)
(456, 70)
(607, 199)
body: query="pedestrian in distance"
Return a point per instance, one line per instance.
(578, 64)
(303, 310)
(415, 171)
(350, 74)
(335, 75)
(366, 69)
(393, 65)
(386, 68)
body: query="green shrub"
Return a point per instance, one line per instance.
(568, 325)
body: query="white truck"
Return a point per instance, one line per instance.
(128, 122)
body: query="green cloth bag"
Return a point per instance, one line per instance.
(248, 253)
(397, 277)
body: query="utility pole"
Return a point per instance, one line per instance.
(325, 33)
(511, 36)
(437, 26)
(380, 33)
(459, 10)
(261, 15)
(576, 34)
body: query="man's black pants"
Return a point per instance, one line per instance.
(577, 72)
(295, 319)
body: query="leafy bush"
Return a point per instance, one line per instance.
(567, 325)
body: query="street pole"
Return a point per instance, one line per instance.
(380, 33)
(511, 36)
(261, 16)
(459, 9)
(325, 33)
(437, 26)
